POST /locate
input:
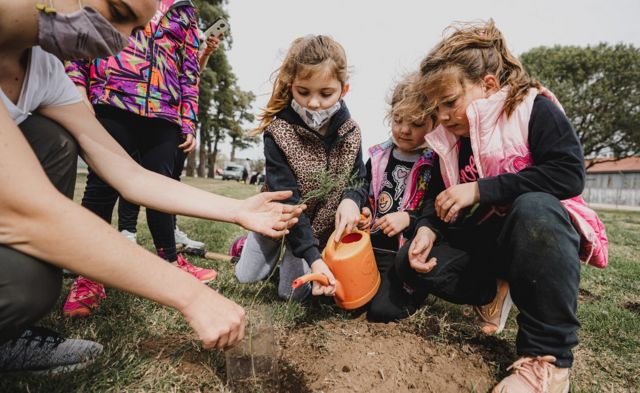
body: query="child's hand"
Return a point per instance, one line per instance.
(393, 223)
(347, 217)
(419, 250)
(455, 198)
(318, 266)
(365, 219)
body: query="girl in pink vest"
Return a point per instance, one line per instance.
(513, 170)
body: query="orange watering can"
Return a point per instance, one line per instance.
(353, 264)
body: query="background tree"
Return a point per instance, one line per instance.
(239, 135)
(599, 88)
(220, 110)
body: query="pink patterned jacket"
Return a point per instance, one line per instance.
(157, 75)
(500, 145)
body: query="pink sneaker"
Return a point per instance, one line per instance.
(84, 297)
(204, 275)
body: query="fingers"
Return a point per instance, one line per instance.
(277, 195)
(424, 267)
(320, 290)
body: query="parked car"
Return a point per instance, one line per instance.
(232, 172)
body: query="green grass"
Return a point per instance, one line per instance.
(149, 348)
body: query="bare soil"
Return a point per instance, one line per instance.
(357, 356)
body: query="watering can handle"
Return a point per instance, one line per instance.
(319, 277)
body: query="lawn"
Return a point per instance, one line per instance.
(149, 348)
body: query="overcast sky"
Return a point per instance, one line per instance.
(383, 39)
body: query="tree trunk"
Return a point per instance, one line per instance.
(191, 164)
(202, 153)
(211, 160)
(233, 148)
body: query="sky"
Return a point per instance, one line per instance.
(384, 39)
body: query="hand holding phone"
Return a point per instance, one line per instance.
(217, 28)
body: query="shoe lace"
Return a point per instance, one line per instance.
(84, 288)
(535, 371)
(184, 264)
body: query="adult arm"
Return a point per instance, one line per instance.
(140, 186)
(39, 221)
(558, 161)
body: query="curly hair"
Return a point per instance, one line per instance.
(306, 56)
(407, 100)
(470, 52)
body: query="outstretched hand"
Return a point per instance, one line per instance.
(261, 213)
(455, 198)
(419, 251)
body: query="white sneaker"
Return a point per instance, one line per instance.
(182, 238)
(130, 235)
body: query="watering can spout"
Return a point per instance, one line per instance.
(320, 278)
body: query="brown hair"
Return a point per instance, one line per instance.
(470, 52)
(408, 100)
(306, 56)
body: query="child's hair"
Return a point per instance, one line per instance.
(306, 56)
(470, 52)
(408, 100)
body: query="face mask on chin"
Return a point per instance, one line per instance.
(83, 34)
(315, 119)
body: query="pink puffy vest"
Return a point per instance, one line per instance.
(500, 145)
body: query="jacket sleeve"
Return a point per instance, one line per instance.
(427, 216)
(359, 190)
(558, 161)
(190, 72)
(280, 177)
(78, 72)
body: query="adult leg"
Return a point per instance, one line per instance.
(540, 260)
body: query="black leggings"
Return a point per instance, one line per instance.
(128, 212)
(30, 287)
(535, 248)
(155, 141)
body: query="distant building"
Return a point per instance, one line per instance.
(614, 182)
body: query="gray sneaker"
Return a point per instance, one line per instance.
(42, 351)
(182, 238)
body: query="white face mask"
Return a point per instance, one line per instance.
(315, 119)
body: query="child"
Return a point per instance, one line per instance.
(307, 127)
(397, 180)
(514, 171)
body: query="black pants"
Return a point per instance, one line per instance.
(535, 248)
(155, 141)
(392, 302)
(30, 287)
(128, 212)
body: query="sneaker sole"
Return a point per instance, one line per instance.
(51, 371)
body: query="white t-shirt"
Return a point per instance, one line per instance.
(45, 85)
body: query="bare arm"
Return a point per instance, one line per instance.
(138, 185)
(39, 221)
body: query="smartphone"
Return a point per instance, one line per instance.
(217, 28)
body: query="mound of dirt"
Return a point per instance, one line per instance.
(356, 356)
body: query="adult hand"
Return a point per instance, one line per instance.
(218, 321)
(455, 198)
(365, 219)
(393, 223)
(85, 99)
(419, 250)
(261, 214)
(317, 289)
(347, 217)
(189, 143)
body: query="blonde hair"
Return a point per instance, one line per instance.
(409, 101)
(306, 56)
(470, 52)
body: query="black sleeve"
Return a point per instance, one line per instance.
(280, 177)
(558, 161)
(360, 193)
(427, 216)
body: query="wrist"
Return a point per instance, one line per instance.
(426, 231)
